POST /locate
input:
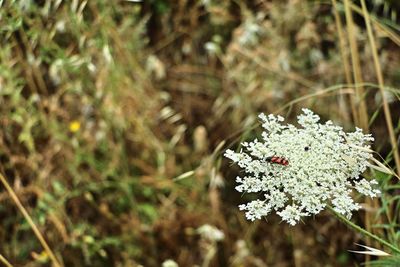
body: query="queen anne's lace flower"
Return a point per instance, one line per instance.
(325, 164)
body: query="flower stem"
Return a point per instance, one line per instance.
(363, 231)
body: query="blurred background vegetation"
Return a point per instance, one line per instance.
(114, 116)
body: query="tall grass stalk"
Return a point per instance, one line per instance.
(344, 55)
(378, 70)
(362, 109)
(28, 218)
(355, 60)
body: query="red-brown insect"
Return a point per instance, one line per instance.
(278, 160)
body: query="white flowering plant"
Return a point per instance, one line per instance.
(323, 166)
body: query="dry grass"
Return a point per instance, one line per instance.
(115, 115)
(30, 221)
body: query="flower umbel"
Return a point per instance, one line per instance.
(325, 164)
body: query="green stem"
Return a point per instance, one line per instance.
(363, 231)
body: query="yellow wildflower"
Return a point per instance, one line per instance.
(74, 126)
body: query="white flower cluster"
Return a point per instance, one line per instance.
(324, 166)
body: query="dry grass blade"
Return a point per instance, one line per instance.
(378, 69)
(30, 221)
(183, 176)
(5, 261)
(389, 33)
(218, 148)
(370, 251)
(323, 92)
(382, 168)
(379, 166)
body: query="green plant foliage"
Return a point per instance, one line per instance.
(114, 116)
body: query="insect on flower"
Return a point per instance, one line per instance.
(278, 160)
(325, 165)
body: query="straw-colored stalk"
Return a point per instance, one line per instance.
(379, 76)
(379, 26)
(345, 60)
(355, 59)
(362, 109)
(5, 261)
(28, 218)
